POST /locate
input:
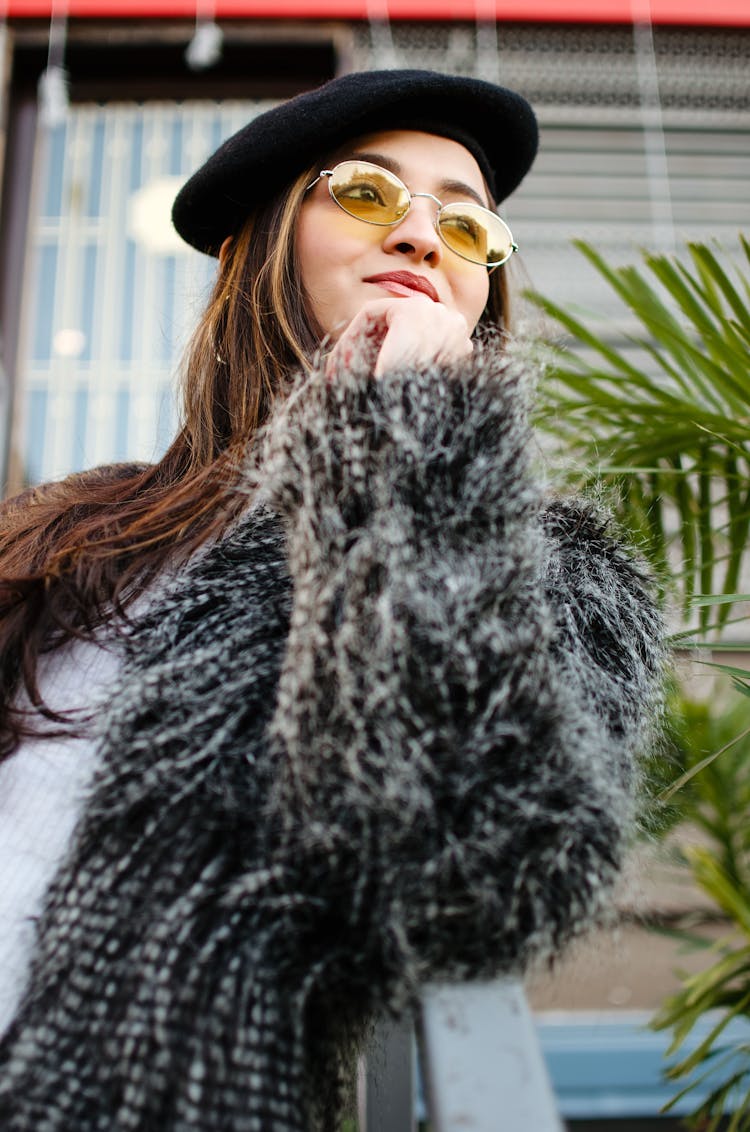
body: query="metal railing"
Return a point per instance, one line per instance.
(481, 1065)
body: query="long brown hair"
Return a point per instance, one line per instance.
(74, 553)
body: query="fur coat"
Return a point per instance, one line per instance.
(384, 731)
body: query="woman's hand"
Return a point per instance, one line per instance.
(398, 332)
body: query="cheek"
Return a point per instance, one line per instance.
(473, 297)
(314, 268)
(331, 252)
(326, 238)
(310, 249)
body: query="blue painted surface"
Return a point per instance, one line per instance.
(88, 301)
(127, 316)
(36, 431)
(135, 161)
(78, 458)
(52, 198)
(607, 1066)
(93, 203)
(122, 424)
(45, 275)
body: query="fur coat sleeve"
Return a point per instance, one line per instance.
(384, 731)
(470, 675)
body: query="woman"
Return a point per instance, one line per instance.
(360, 707)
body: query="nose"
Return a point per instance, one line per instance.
(416, 235)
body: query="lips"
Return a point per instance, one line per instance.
(408, 280)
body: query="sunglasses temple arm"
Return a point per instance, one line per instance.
(322, 173)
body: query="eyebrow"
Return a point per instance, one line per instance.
(445, 186)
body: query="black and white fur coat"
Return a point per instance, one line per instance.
(384, 731)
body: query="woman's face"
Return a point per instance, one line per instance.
(346, 263)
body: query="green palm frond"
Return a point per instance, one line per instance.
(665, 414)
(707, 777)
(720, 993)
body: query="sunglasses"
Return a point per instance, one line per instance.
(377, 196)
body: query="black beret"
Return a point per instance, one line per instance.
(496, 125)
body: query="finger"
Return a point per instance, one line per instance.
(360, 342)
(422, 336)
(390, 332)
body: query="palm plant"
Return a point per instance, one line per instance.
(667, 415)
(716, 803)
(664, 418)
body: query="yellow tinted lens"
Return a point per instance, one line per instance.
(475, 233)
(369, 192)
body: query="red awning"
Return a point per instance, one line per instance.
(733, 13)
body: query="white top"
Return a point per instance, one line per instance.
(42, 789)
